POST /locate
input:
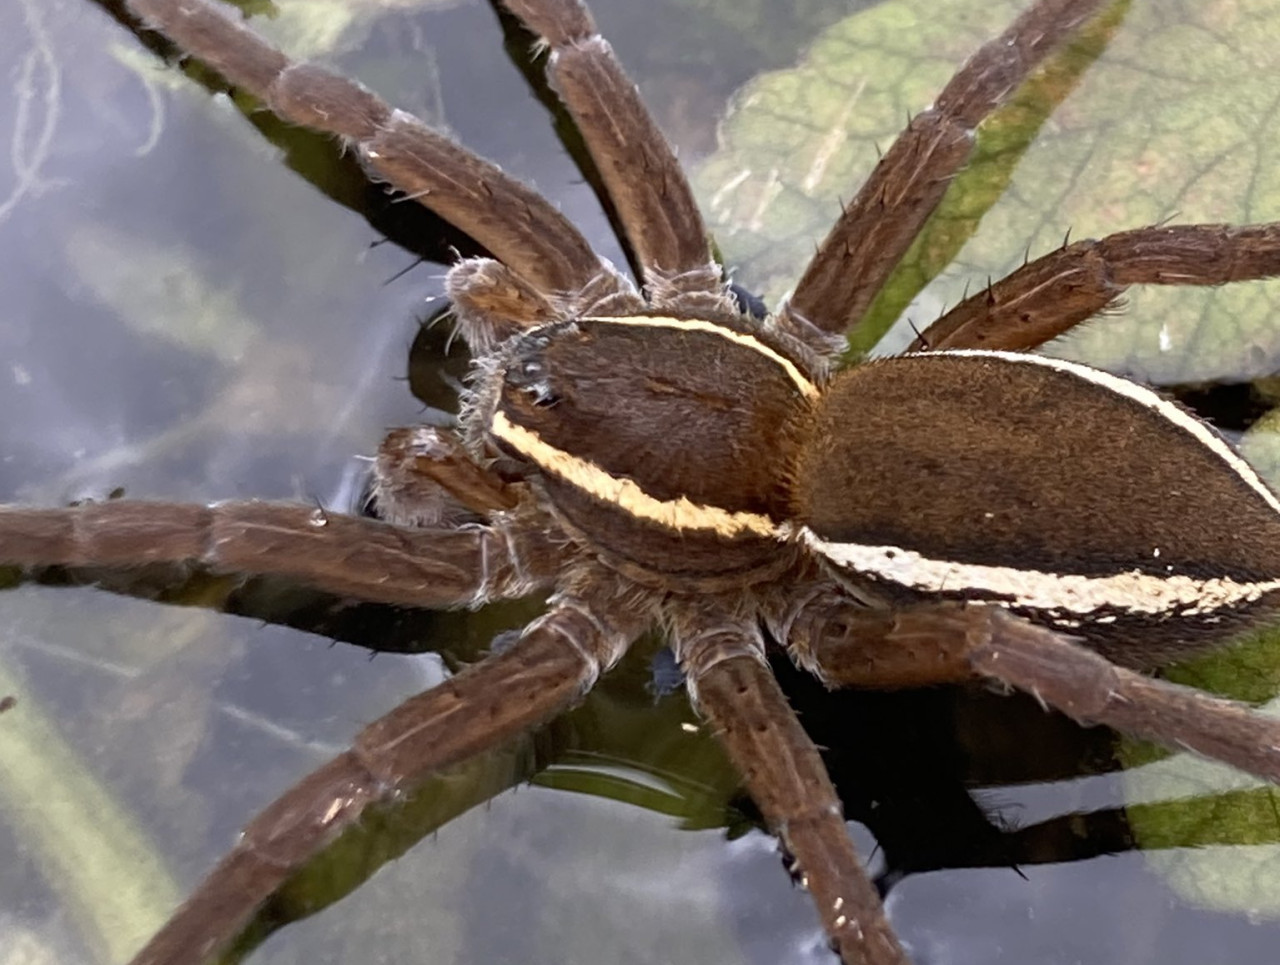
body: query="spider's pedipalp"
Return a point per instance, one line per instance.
(878, 225)
(547, 670)
(731, 684)
(423, 476)
(645, 183)
(347, 556)
(1048, 296)
(518, 226)
(492, 302)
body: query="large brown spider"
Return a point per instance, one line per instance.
(321, 525)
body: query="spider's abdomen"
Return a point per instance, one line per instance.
(660, 441)
(1076, 498)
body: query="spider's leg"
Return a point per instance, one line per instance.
(347, 556)
(554, 663)
(731, 684)
(519, 227)
(646, 186)
(951, 642)
(1046, 297)
(879, 224)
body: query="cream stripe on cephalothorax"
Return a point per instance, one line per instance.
(679, 514)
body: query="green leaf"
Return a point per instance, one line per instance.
(1210, 831)
(1169, 124)
(76, 829)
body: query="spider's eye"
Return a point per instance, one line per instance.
(530, 377)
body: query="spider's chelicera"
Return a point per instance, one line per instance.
(654, 455)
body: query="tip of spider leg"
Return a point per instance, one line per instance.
(748, 302)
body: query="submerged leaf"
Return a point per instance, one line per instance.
(1169, 124)
(159, 291)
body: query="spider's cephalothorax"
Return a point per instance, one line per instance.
(664, 442)
(962, 512)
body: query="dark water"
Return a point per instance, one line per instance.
(187, 317)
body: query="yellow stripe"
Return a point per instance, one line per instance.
(807, 388)
(677, 514)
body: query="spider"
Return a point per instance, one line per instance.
(486, 496)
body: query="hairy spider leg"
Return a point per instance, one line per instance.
(347, 556)
(731, 683)
(1052, 294)
(516, 224)
(847, 645)
(645, 183)
(556, 660)
(878, 225)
